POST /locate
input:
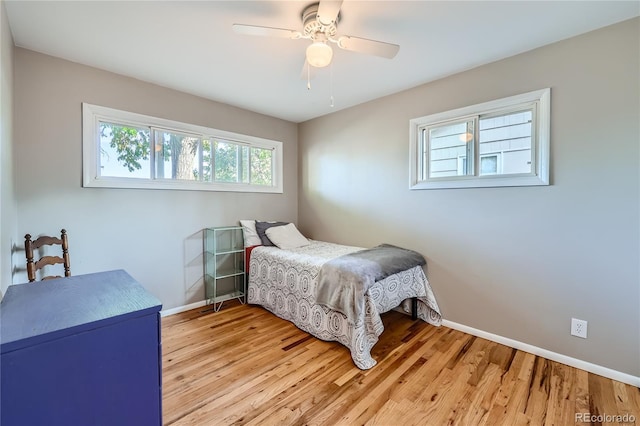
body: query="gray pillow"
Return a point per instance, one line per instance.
(261, 227)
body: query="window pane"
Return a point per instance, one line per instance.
(261, 166)
(451, 149)
(228, 161)
(489, 165)
(124, 151)
(177, 156)
(510, 136)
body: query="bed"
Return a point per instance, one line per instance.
(285, 282)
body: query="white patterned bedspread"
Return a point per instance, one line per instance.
(284, 282)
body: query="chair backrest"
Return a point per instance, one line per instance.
(30, 246)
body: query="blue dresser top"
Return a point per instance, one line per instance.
(33, 313)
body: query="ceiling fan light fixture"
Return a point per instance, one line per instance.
(319, 54)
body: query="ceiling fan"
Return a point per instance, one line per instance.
(320, 25)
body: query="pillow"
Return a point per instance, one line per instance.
(261, 227)
(286, 237)
(249, 233)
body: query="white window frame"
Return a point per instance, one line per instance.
(540, 144)
(93, 114)
(462, 165)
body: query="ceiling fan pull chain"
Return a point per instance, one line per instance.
(308, 76)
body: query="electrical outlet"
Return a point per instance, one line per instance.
(578, 328)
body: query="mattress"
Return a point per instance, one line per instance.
(284, 282)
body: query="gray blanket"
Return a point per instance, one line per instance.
(343, 281)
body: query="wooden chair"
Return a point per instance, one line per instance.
(30, 246)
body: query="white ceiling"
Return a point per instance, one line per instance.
(190, 46)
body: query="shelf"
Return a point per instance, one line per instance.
(226, 274)
(218, 253)
(224, 258)
(228, 296)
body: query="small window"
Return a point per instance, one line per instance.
(498, 143)
(489, 165)
(127, 150)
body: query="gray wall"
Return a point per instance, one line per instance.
(155, 235)
(7, 185)
(517, 262)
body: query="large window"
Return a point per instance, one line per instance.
(128, 150)
(498, 143)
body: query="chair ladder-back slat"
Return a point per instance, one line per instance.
(45, 240)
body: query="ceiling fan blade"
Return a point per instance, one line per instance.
(371, 47)
(265, 31)
(328, 11)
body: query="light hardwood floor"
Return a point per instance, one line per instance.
(243, 365)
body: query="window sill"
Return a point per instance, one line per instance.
(127, 183)
(481, 182)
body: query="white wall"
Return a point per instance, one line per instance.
(7, 193)
(155, 235)
(516, 262)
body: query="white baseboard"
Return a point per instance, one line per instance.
(177, 310)
(553, 356)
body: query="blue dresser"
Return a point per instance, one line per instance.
(83, 350)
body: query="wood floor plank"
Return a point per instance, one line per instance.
(558, 394)
(259, 392)
(508, 414)
(313, 391)
(245, 366)
(373, 388)
(603, 401)
(477, 400)
(539, 388)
